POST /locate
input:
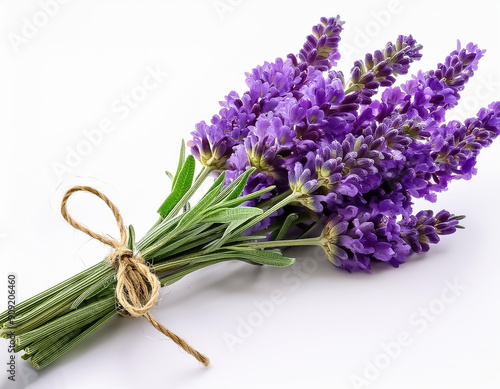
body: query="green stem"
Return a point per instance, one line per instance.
(51, 312)
(43, 343)
(352, 88)
(148, 239)
(202, 241)
(282, 203)
(28, 304)
(42, 311)
(288, 199)
(69, 322)
(53, 352)
(283, 243)
(174, 277)
(153, 227)
(273, 200)
(279, 223)
(194, 237)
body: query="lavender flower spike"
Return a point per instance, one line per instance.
(436, 91)
(321, 48)
(456, 145)
(423, 229)
(381, 68)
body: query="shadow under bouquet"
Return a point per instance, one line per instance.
(307, 156)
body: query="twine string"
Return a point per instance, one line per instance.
(137, 287)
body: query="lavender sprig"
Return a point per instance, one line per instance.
(320, 49)
(430, 94)
(300, 150)
(380, 69)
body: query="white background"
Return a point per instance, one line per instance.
(62, 79)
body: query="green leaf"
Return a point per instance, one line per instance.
(241, 185)
(240, 200)
(286, 225)
(233, 225)
(169, 175)
(197, 211)
(234, 189)
(202, 240)
(228, 215)
(251, 222)
(312, 228)
(131, 237)
(182, 184)
(182, 157)
(264, 257)
(193, 235)
(256, 256)
(93, 290)
(246, 238)
(214, 245)
(171, 278)
(218, 181)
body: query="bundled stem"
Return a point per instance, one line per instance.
(52, 322)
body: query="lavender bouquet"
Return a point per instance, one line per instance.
(306, 156)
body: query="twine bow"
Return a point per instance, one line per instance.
(136, 287)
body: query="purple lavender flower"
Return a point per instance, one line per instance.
(390, 199)
(211, 145)
(303, 183)
(331, 237)
(348, 168)
(355, 237)
(323, 100)
(450, 153)
(456, 145)
(381, 68)
(430, 94)
(320, 49)
(262, 154)
(273, 80)
(423, 229)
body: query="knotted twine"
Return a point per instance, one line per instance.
(137, 287)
